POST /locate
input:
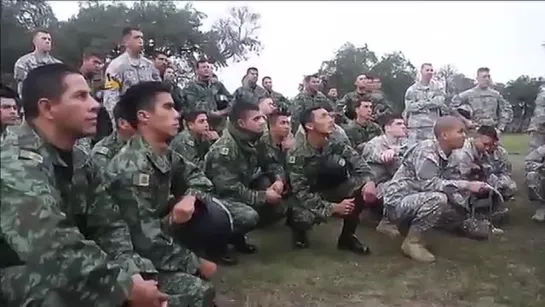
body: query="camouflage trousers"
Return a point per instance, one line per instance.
(418, 134)
(535, 182)
(422, 210)
(304, 219)
(186, 290)
(246, 218)
(504, 184)
(537, 138)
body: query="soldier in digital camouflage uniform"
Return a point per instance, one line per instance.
(535, 173)
(128, 69)
(103, 151)
(63, 243)
(278, 98)
(238, 164)
(165, 199)
(383, 154)
(487, 105)
(362, 129)
(204, 94)
(250, 91)
(364, 88)
(420, 194)
(194, 142)
(9, 111)
(424, 104)
(40, 56)
(328, 178)
(537, 123)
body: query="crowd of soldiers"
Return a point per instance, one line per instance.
(143, 215)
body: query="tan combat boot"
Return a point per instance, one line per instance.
(414, 247)
(539, 216)
(388, 228)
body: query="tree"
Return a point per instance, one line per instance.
(522, 93)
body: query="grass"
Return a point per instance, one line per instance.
(515, 143)
(505, 271)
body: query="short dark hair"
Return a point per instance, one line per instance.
(92, 53)
(265, 78)
(128, 30)
(388, 119)
(192, 116)
(201, 61)
(483, 69)
(488, 131)
(140, 97)
(308, 77)
(38, 31)
(271, 118)
(307, 115)
(155, 54)
(370, 75)
(239, 110)
(118, 114)
(358, 101)
(44, 82)
(425, 64)
(250, 69)
(7, 92)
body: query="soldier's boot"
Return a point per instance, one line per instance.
(413, 247)
(240, 244)
(300, 239)
(539, 215)
(388, 228)
(348, 240)
(221, 255)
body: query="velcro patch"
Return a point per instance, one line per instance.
(140, 180)
(103, 150)
(190, 143)
(291, 160)
(224, 151)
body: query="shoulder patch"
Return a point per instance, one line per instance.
(291, 159)
(103, 150)
(30, 155)
(224, 151)
(190, 142)
(342, 162)
(140, 180)
(111, 85)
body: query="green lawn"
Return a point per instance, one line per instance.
(506, 271)
(515, 143)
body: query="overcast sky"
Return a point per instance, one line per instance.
(298, 36)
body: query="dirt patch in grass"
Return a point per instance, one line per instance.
(505, 271)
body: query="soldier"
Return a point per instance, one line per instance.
(534, 180)
(278, 98)
(237, 164)
(249, 91)
(194, 142)
(487, 105)
(60, 249)
(362, 128)
(424, 103)
(537, 123)
(128, 69)
(308, 98)
(203, 94)
(169, 78)
(333, 95)
(108, 147)
(328, 178)
(9, 114)
(162, 196)
(160, 62)
(364, 86)
(419, 194)
(338, 133)
(41, 40)
(384, 153)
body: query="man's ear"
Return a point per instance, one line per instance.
(45, 107)
(143, 116)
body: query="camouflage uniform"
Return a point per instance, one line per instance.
(106, 149)
(205, 96)
(233, 162)
(141, 182)
(535, 174)
(487, 107)
(381, 106)
(28, 62)
(423, 105)
(250, 94)
(191, 147)
(63, 242)
(359, 134)
(537, 123)
(122, 73)
(338, 134)
(306, 100)
(278, 99)
(316, 192)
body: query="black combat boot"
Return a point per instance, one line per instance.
(300, 239)
(221, 255)
(348, 240)
(240, 244)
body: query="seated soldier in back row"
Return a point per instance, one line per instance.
(193, 143)
(328, 178)
(362, 129)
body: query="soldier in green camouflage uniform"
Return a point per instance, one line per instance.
(537, 123)
(535, 181)
(203, 94)
(160, 193)
(309, 98)
(235, 163)
(363, 89)
(9, 112)
(194, 142)
(279, 99)
(250, 91)
(63, 242)
(328, 178)
(362, 128)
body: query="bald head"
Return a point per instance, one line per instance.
(445, 124)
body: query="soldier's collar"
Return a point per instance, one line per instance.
(442, 153)
(310, 151)
(159, 161)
